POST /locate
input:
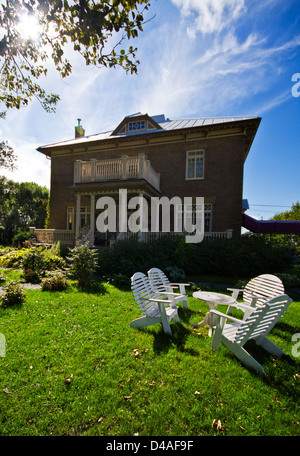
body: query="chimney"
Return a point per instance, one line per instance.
(79, 131)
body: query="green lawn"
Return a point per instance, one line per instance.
(74, 367)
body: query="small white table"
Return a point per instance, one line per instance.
(213, 300)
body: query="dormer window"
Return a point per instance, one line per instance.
(138, 125)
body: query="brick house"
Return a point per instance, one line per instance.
(149, 156)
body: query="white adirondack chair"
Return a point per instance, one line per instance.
(155, 308)
(161, 283)
(259, 323)
(257, 292)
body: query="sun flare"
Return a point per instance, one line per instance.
(29, 27)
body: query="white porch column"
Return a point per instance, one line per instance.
(92, 227)
(78, 205)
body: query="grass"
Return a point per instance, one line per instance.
(74, 367)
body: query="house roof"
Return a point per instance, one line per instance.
(159, 124)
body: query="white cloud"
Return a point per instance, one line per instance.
(32, 166)
(209, 16)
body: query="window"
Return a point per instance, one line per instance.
(85, 214)
(207, 217)
(195, 165)
(138, 125)
(192, 211)
(70, 217)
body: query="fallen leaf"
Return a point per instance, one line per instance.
(68, 379)
(127, 398)
(197, 393)
(100, 419)
(218, 425)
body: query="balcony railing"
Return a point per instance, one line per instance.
(116, 169)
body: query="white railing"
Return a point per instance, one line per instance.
(67, 237)
(149, 236)
(116, 169)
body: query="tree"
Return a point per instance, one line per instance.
(88, 26)
(292, 215)
(21, 205)
(288, 239)
(7, 158)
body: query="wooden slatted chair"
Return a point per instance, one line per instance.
(257, 292)
(155, 307)
(257, 326)
(161, 283)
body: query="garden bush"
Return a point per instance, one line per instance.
(20, 238)
(38, 261)
(83, 262)
(246, 256)
(2, 278)
(12, 258)
(31, 276)
(55, 281)
(12, 295)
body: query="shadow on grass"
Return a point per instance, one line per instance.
(93, 286)
(281, 373)
(162, 342)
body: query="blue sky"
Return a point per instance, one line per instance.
(199, 58)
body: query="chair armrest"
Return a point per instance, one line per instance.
(222, 315)
(220, 324)
(177, 284)
(167, 293)
(240, 290)
(242, 306)
(165, 301)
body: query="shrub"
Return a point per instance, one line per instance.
(13, 295)
(55, 281)
(119, 280)
(175, 274)
(31, 276)
(13, 258)
(42, 261)
(21, 237)
(83, 262)
(33, 260)
(245, 256)
(2, 278)
(289, 280)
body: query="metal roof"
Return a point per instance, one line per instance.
(200, 122)
(165, 124)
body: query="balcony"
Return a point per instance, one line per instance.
(119, 169)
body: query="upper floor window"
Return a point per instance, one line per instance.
(138, 125)
(195, 164)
